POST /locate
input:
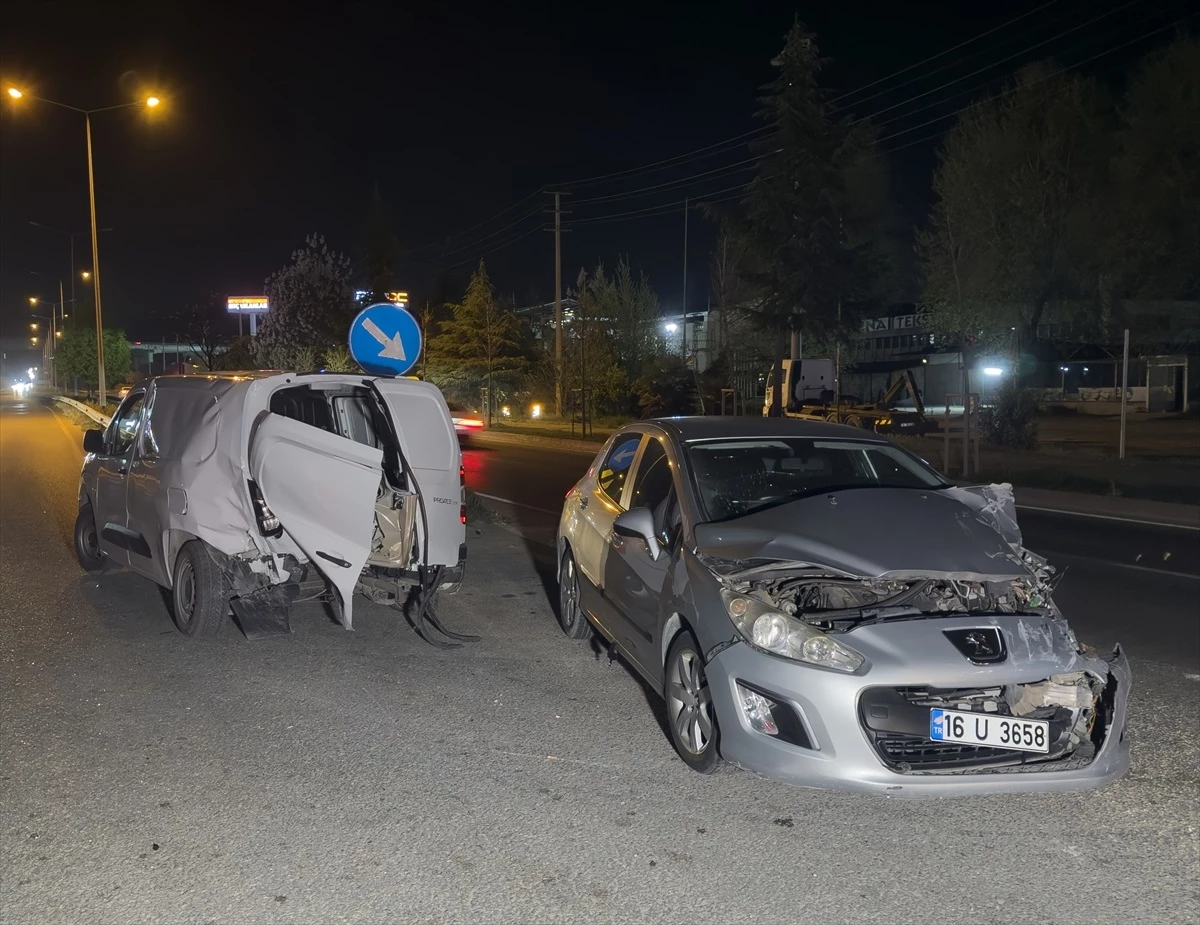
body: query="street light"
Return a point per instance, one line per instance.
(150, 102)
(70, 236)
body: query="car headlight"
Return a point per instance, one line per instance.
(768, 629)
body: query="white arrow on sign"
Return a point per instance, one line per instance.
(393, 348)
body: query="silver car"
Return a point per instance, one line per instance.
(819, 605)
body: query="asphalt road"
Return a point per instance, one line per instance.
(367, 777)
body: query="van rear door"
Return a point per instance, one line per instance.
(425, 430)
(322, 487)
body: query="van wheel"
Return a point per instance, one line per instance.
(854, 421)
(87, 542)
(198, 596)
(690, 713)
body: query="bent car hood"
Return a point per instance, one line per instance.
(870, 532)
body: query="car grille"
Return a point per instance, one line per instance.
(919, 753)
(895, 719)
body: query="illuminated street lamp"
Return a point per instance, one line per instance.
(149, 102)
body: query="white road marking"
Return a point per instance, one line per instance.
(1124, 520)
(528, 507)
(1128, 565)
(1191, 677)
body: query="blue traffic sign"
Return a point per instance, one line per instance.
(385, 340)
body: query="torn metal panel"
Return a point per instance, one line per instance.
(266, 612)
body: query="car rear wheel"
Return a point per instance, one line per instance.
(570, 614)
(690, 714)
(198, 599)
(87, 541)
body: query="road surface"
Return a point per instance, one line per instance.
(367, 777)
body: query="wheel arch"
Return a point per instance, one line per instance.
(173, 541)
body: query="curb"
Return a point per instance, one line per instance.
(79, 406)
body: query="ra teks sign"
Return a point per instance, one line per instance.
(247, 304)
(894, 323)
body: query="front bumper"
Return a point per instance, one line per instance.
(842, 755)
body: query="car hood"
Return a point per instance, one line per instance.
(871, 532)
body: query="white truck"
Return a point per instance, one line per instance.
(810, 394)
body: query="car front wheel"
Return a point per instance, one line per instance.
(198, 595)
(690, 714)
(87, 541)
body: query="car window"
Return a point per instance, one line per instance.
(652, 481)
(615, 468)
(735, 477)
(654, 488)
(125, 424)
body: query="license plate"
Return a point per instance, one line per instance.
(1025, 735)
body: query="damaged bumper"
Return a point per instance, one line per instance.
(868, 731)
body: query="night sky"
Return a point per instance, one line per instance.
(278, 124)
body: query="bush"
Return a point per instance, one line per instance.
(666, 387)
(1010, 421)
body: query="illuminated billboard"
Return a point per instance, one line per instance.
(247, 304)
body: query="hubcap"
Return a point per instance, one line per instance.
(568, 599)
(91, 542)
(185, 591)
(689, 703)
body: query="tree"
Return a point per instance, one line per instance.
(627, 306)
(382, 249)
(311, 302)
(805, 256)
(666, 387)
(1010, 230)
(481, 340)
(205, 328)
(1153, 216)
(589, 359)
(76, 357)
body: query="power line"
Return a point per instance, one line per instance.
(466, 231)
(491, 250)
(940, 54)
(989, 67)
(661, 209)
(1013, 89)
(660, 186)
(705, 151)
(536, 210)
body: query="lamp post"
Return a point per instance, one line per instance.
(51, 345)
(85, 275)
(151, 102)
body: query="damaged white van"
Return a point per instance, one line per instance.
(234, 490)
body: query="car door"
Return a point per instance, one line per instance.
(600, 506)
(110, 503)
(633, 581)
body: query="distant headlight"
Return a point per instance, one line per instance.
(776, 632)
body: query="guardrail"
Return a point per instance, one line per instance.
(101, 419)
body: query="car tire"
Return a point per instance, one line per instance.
(570, 614)
(691, 719)
(199, 602)
(854, 421)
(87, 542)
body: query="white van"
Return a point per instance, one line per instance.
(225, 488)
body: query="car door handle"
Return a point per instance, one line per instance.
(583, 501)
(123, 470)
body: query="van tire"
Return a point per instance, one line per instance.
(87, 542)
(199, 600)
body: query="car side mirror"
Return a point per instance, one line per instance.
(638, 524)
(93, 441)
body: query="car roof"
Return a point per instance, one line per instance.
(716, 427)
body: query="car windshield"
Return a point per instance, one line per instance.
(735, 477)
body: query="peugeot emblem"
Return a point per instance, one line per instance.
(983, 646)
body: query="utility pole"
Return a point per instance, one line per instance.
(95, 267)
(683, 327)
(558, 321)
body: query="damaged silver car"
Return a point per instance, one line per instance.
(821, 606)
(247, 491)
